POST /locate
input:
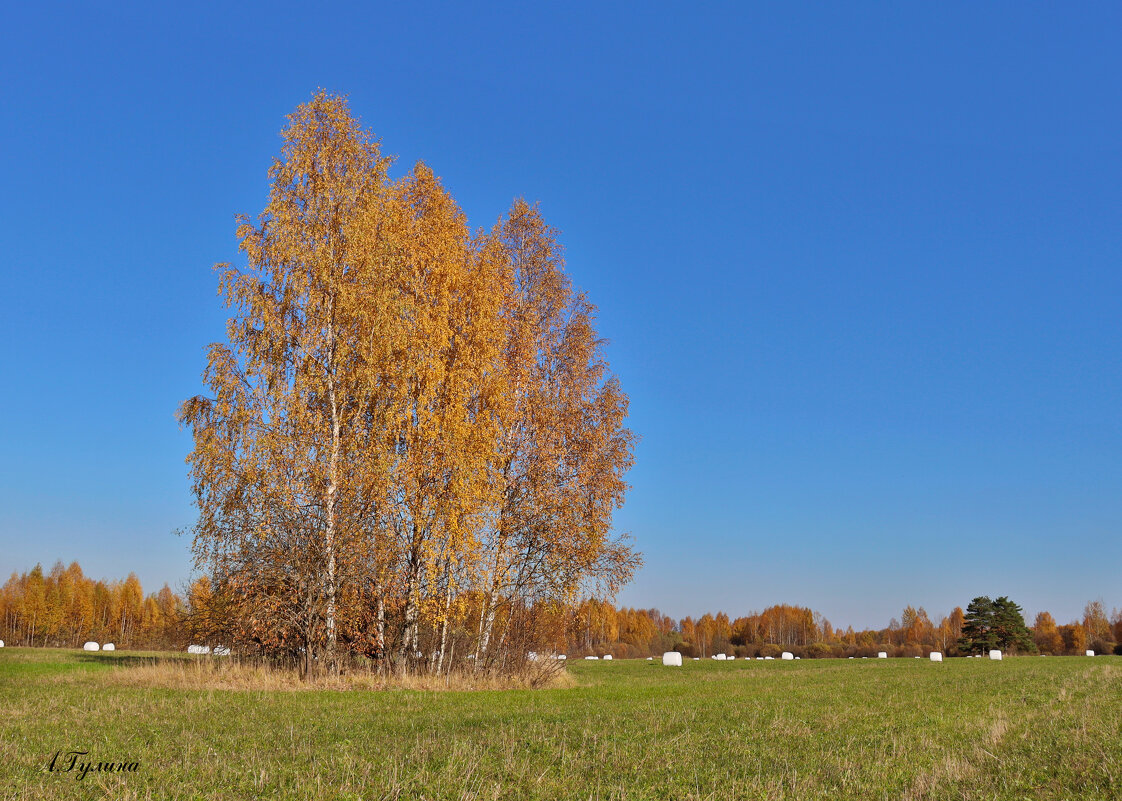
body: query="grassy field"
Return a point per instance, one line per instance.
(966, 729)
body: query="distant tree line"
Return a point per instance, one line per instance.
(598, 628)
(64, 608)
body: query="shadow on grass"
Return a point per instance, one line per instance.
(126, 660)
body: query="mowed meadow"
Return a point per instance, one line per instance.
(1029, 727)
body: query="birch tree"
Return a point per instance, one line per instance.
(563, 449)
(269, 442)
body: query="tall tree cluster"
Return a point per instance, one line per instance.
(412, 446)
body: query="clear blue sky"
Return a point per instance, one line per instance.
(860, 269)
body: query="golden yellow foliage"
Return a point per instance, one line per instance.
(409, 427)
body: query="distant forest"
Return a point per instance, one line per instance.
(64, 608)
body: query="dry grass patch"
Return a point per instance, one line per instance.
(231, 674)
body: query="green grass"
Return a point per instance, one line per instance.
(966, 729)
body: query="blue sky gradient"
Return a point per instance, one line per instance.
(859, 268)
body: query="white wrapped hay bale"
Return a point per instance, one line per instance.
(1090, 653)
(91, 646)
(936, 656)
(786, 655)
(772, 658)
(221, 650)
(720, 657)
(562, 656)
(1, 643)
(882, 654)
(995, 655)
(198, 649)
(109, 647)
(592, 657)
(697, 659)
(650, 658)
(672, 659)
(607, 656)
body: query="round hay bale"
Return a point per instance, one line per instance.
(672, 659)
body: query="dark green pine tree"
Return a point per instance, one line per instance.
(996, 624)
(1009, 624)
(977, 627)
